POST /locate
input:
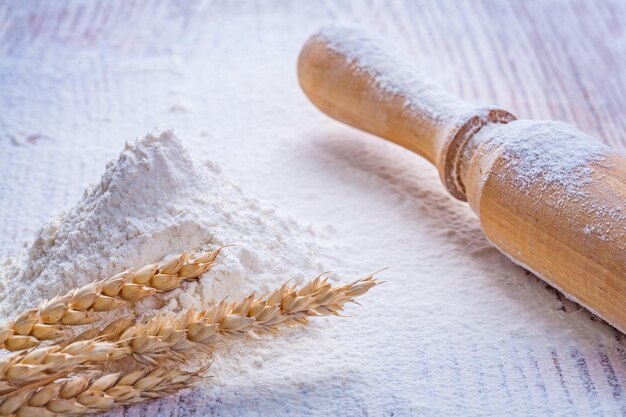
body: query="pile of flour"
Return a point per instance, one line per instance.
(157, 199)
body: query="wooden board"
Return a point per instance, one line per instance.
(540, 59)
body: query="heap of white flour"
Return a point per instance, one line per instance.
(158, 199)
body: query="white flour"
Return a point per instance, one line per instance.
(548, 152)
(555, 162)
(156, 200)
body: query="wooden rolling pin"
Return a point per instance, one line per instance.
(550, 197)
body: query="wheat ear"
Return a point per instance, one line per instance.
(45, 362)
(29, 376)
(50, 320)
(89, 394)
(178, 336)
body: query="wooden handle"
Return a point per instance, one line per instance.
(359, 82)
(547, 195)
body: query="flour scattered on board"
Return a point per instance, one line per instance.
(156, 200)
(391, 70)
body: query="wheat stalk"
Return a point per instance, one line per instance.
(84, 394)
(50, 320)
(179, 336)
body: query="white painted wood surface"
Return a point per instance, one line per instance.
(77, 79)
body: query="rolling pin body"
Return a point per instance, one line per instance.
(548, 196)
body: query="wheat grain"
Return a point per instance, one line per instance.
(84, 394)
(50, 320)
(45, 362)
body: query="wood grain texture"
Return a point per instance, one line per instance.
(541, 59)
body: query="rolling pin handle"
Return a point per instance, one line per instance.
(387, 98)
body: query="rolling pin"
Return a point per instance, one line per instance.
(548, 196)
